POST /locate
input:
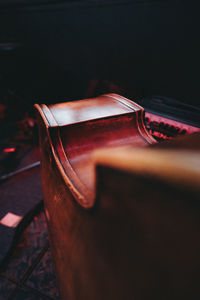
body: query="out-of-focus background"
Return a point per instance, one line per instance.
(53, 51)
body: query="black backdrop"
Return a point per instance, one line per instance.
(141, 47)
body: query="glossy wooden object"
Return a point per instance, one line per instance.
(157, 205)
(76, 129)
(85, 234)
(123, 221)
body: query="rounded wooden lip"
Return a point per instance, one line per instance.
(80, 197)
(182, 168)
(104, 106)
(83, 196)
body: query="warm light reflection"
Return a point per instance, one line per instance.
(9, 150)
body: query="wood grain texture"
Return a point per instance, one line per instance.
(154, 195)
(76, 129)
(179, 166)
(82, 231)
(121, 224)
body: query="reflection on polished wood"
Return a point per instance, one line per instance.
(118, 229)
(176, 161)
(76, 129)
(155, 212)
(69, 134)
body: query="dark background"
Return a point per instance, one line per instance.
(53, 51)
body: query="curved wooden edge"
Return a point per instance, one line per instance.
(180, 168)
(140, 116)
(81, 198)
(82, 195)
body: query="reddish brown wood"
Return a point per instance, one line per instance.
(76, 129)
(81, 228)
(120, 231)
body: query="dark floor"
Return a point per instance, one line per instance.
(24, 80)
(29, 273)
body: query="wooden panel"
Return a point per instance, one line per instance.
(76, 129)
(85, 235)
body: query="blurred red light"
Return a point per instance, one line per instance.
(9, 150)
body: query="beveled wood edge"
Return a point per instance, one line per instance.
(142, 129)
(139, 115)
(180, 168)
(87, 196)
(83, 201)
(131, 104)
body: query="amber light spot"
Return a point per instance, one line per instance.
(9, 150)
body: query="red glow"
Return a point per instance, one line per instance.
(9, 150)
(181, 126)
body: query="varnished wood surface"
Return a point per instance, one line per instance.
(68, 177)
(76, 129)
(176, 161)
(140, 237)
(154, 232)
(157, 205)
